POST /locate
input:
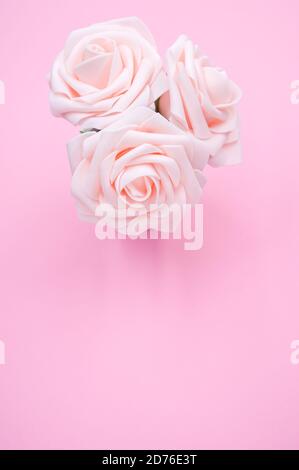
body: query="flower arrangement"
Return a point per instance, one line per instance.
(147, 129)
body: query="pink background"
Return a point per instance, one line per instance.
(139, 344)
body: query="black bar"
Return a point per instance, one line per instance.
(142, 458)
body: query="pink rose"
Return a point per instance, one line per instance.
(202, 100)
(140, 160)
(105, 69)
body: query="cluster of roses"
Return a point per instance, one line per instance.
(147, 131)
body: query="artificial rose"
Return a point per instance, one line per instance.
(202, 100)
(142, 159)
(105, 69)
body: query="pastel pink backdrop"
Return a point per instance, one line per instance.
(139, 344)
